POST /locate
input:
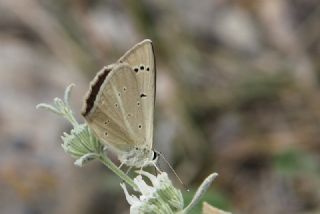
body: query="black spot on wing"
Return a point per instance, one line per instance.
(143, 95)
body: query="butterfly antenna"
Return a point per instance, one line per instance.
(174, 172)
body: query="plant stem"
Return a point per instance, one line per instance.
(108, 163)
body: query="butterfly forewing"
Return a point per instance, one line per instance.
(141, 59)
(119, 106)
(117, 117)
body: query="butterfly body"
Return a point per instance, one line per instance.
(138, 157)
(119, 106)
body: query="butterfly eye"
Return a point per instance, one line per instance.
(155, 156)
(136, 69)
(141, 67)
(148, 69)
(140, 126)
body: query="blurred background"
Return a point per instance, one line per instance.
(237, 94)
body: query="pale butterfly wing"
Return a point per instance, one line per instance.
(116, 116)
(120, 103)
(141, 59)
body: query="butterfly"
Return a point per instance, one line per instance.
(119, 106)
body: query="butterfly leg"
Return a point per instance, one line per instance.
(143, 165)
(141, 169)
(155, 170)
(156, 167)
(119, 167)
(128, 170)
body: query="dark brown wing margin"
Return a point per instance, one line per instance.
(94, 89)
